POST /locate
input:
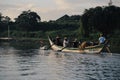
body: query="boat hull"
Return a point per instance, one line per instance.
(91, 49)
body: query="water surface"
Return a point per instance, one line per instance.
(21, 63)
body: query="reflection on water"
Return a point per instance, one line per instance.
(36, 64)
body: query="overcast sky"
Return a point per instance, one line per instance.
(50, 9)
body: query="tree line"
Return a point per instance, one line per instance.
(104, 19)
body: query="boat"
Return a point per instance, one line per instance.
(89, 49)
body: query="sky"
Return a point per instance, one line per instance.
(50, 9)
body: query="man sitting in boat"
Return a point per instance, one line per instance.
(58, 41)
(65, 42)
(90, 43)
(86, 44)
(75, 43)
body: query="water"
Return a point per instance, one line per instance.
(19, 63)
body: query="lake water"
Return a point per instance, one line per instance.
(21, 61)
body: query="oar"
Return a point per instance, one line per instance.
(108, 49)
(107, 46)
(61, 49)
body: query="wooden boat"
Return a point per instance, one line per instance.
(90, 49)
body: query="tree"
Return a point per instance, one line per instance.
(63, 18)
(4, 22)
(101, 19)
(27, 20)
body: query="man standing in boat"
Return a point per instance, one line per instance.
(101, 39)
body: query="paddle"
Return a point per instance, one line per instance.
(107, 46)
(108, 49)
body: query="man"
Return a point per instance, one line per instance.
(101, 39)
(58, 41)
(75, 43)
(65, 42)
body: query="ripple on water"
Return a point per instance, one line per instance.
(48, 65)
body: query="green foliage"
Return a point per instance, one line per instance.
(27, 21)
(61, 33)
(4, 22)
(81, 31)
(35, 34)
(103, 19)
